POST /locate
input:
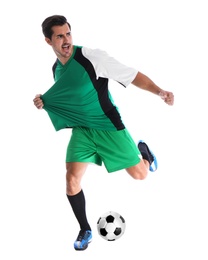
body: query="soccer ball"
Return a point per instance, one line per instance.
(111, 226)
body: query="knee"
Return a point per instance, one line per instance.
(72, 184)
(140, 175)
(137, 174)
(74, 173)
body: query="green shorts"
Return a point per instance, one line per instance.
(116, 149)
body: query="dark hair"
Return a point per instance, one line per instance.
(51, 21)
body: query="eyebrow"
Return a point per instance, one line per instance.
(61, 34)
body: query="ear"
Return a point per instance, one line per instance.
(48, 41)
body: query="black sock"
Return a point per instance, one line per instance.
(145, 152)
(78, 206)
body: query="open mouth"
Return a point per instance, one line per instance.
(66, 47)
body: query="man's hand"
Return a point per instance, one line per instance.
(38, 101)
(167, 96)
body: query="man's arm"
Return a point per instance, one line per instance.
(145, 83)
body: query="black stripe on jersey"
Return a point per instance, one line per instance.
(101, 86)
(54, 68)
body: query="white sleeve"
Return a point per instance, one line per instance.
(108, 67)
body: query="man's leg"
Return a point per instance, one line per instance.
(141, 170)
(75, 172)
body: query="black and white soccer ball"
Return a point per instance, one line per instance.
(111, 226)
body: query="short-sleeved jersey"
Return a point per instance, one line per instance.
(80, 94)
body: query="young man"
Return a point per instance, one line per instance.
(80, 99)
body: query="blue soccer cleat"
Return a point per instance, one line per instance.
(149, 155)
(83, 239)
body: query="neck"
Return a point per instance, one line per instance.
(64, 58)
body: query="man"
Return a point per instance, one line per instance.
(80, 99)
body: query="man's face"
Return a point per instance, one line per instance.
(61, 42)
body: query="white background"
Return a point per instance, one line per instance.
(166, 214)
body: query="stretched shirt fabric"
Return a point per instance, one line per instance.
(80, 95)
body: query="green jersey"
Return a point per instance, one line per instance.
(80, 94)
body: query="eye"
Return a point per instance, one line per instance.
(69, 34)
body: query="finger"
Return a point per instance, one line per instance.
(39, 106)
(169, 101)
(38, 103)
(37, 97)
(169, 98)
